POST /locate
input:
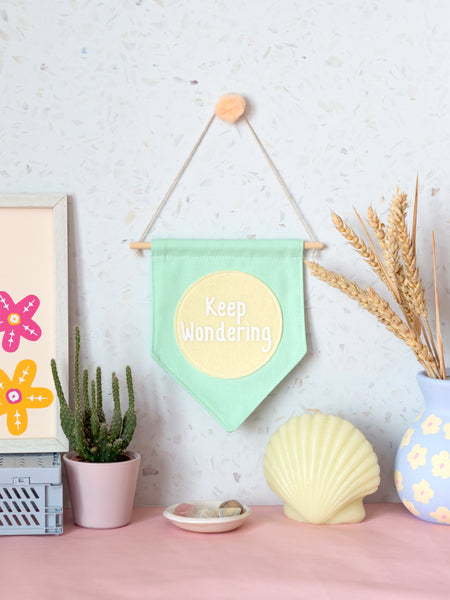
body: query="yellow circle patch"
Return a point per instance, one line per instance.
(228, 324)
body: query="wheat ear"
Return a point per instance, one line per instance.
(379, 307)
(409, 282)
(377, 226)
(371, 258)
(387, 279)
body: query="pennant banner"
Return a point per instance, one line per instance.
(228, 319)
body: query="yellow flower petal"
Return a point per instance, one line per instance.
(431, 424)
(417, 456)
(398, 478)
(17, 419)
(446, 428)
(441, 464)
(407, 437)
(410, 506)
(422, 491)
(442, 514)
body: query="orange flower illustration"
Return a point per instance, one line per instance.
(17, 396)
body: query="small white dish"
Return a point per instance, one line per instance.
(206, 525)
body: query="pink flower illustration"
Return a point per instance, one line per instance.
(16, 320)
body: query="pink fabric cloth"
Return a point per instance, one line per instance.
(390, 555)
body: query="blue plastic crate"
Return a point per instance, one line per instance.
(31, 495)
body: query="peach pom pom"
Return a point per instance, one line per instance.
(230, 107)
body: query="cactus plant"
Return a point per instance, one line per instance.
(85, 425)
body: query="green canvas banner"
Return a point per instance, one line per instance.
(228, 319)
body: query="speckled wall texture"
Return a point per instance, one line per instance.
(104, 100)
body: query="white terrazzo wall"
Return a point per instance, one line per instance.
(104, 100)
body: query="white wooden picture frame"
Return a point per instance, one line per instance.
(33, 320)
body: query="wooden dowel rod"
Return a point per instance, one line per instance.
(148, 245)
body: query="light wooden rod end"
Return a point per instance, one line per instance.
(140, 245)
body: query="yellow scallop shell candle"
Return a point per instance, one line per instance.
(322, 467)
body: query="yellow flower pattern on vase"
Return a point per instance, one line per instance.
(417, 456)
(410, 506)
(441, 464)
(17, 396)
(398, 480)
(407, 437)
(442, 515)
(419, 416)
(422, 462)
(423, 492)
(446, 428)
(431, 425)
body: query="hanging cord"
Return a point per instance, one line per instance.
(281, 182)
(230, 108)
(177, 178)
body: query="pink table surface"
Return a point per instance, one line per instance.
(390, 555)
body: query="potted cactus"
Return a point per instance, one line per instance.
(101, 473)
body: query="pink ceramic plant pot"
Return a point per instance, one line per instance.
(102, 494)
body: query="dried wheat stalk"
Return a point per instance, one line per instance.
(438, 320)
(357, 243)
(395, 263)
(377, 226)
(409, 283)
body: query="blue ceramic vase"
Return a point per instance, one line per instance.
(422, 464)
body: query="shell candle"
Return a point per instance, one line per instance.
(322, 467)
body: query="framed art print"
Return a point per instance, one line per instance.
(33, 320)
